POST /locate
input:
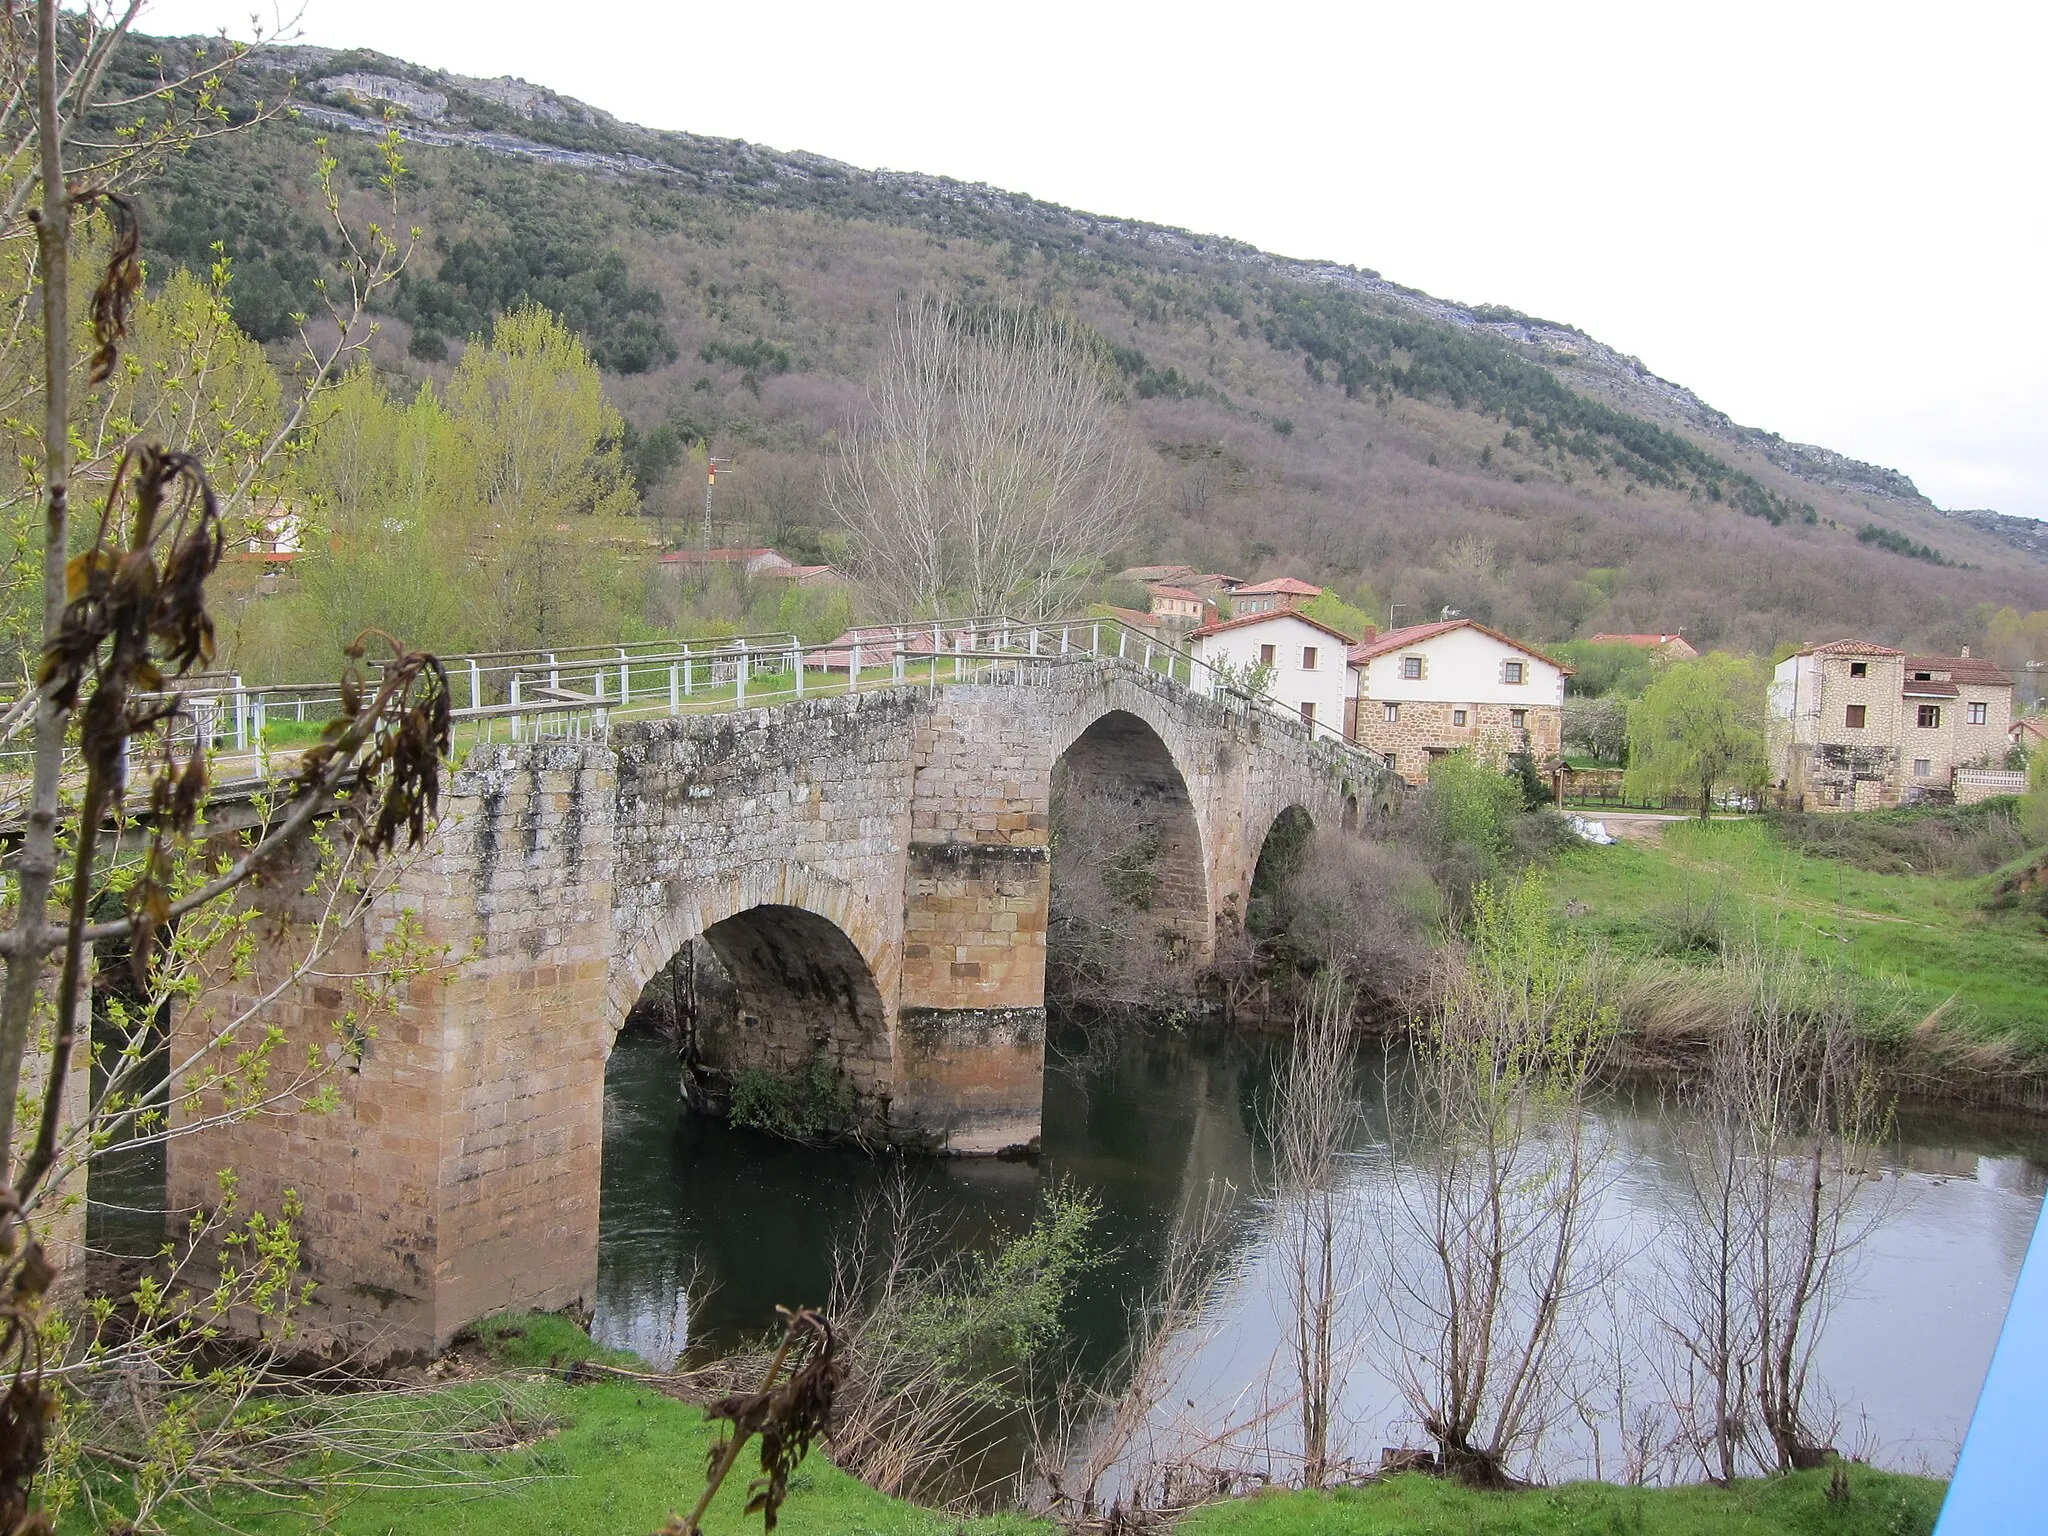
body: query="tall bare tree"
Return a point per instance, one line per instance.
(1312, 1115)
(1775, 1148)
(1488, 1254)
(992, 468)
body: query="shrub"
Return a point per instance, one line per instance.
(1466, 814)
(1960, 840)
(812, 1105)
(1361, 906)
(1890, 539)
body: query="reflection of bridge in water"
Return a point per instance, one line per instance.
(863, 846)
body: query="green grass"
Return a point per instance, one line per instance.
(529, 1339)
(1879, 1504)
(613, 1458)
(1923, 938)
(616, 1459)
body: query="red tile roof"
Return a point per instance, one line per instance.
(1415, 634)
(1961, 669)
(1132, 617)
(1928, 690)
(1285, 585)
(1645, 642)
(1180, 593)
(1268, 618)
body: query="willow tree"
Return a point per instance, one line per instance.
(1699, 727)
(992, 467)
(390, 492)
(545, 450)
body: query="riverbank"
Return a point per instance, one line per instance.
(616, 1458)
(1953, 987)
(590, 1457)
(1870, 1503)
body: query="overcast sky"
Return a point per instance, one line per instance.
(1828, 220)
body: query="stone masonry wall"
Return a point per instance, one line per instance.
(971, 1056)
(1426, 728)
(460, 1173)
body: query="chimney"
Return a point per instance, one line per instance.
(1966, 653)
(1372, 633)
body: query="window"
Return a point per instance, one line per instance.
(1308, 712)
(1308, 658)
(1859, 669)
(1922, 768)
(1854, 716)
(1923, 677)
(1930, 717)
(1980, 714)
(1511, 671)
(1393, 713)
(1265, 655)
(1519, 719)
(1411, 668)
(1457, 717)
(1391, 763)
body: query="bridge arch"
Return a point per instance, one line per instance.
(779, 970)
(692, 910)
(1129, 895)
(1274, 840)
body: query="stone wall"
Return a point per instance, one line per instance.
(1426, 729)
(457, 1174)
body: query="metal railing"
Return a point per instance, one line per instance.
(578, 693)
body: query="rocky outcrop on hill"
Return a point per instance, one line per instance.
(2022, 533)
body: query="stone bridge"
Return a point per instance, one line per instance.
(871, 872)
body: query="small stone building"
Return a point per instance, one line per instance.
(1177, 606)
(1427, 690)
(1854, 725)
(1275, 596)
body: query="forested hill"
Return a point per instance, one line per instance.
(1307, 417)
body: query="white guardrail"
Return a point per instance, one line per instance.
(574, 693)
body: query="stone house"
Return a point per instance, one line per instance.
(1852, 725)
(1427, 690)
(1306, 672)
(803, 575)
(1146, 575)
(1177, 606)
(1281, 592)
(753, 562)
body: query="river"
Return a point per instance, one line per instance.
(705, 1229)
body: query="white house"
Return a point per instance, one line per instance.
(1431, 689)
(1304, 659)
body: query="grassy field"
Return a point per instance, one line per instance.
(613, 1458)
(1921, 941)
(1877, 1504)
(608, 1458)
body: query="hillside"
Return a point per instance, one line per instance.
(1307, 417)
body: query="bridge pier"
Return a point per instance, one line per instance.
(970, 1029)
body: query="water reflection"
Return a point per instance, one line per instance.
(705, 1230)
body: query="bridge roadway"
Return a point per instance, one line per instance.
(871, 870)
